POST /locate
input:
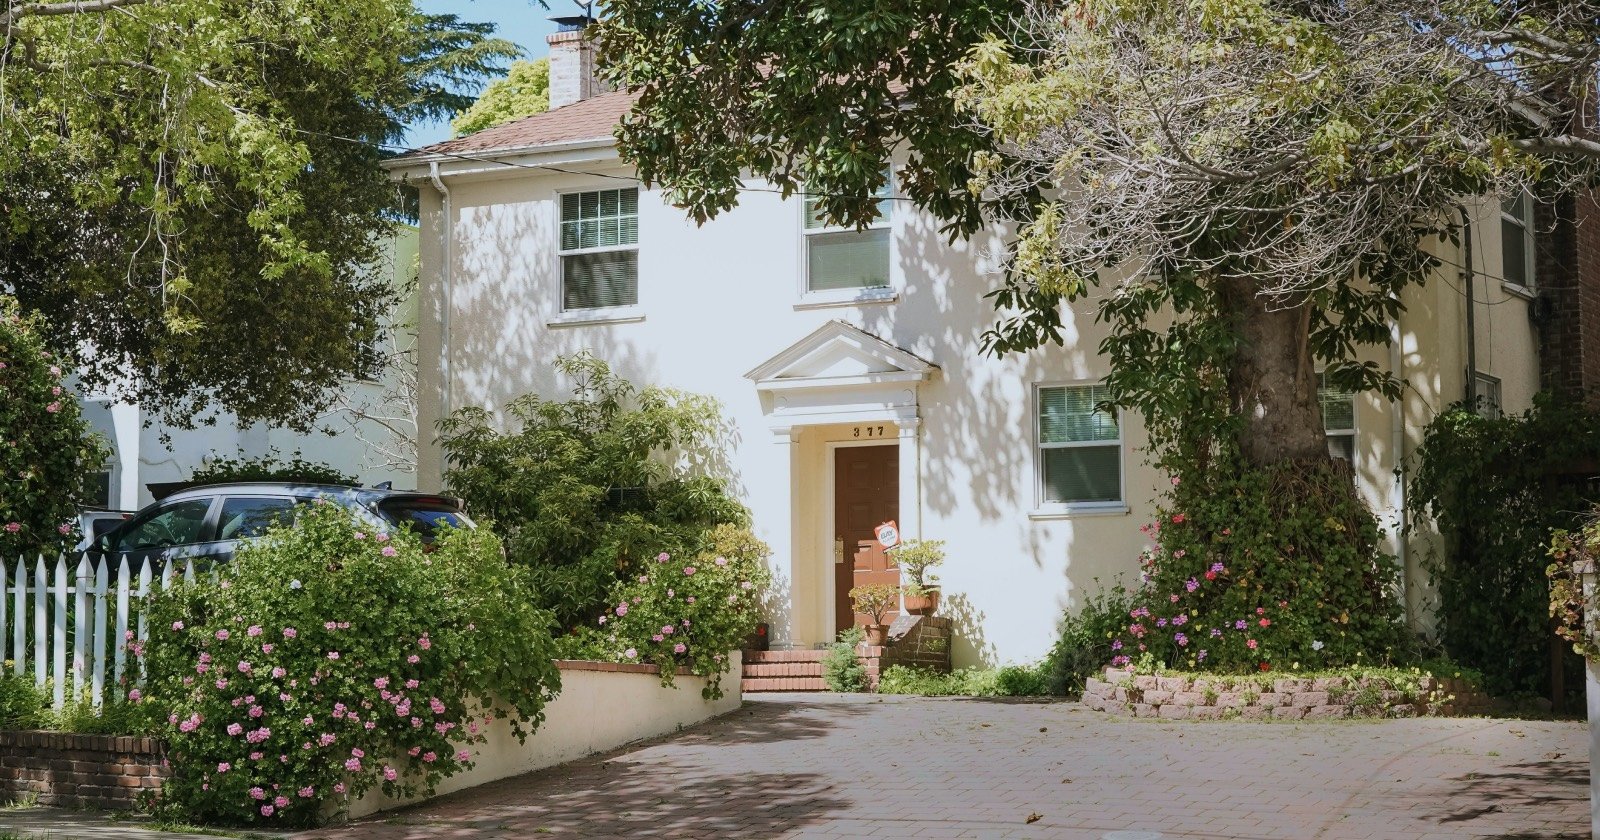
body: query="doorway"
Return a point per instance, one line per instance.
(866, 494)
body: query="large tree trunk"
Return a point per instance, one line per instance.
(1273, 381)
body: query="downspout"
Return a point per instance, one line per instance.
(447, 234)
(1397, 445)
(1468, 282)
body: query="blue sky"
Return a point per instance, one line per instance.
(523, 22)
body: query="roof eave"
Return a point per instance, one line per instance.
(400, 166)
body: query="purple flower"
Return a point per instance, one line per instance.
(1181, 639)
(1191, 584)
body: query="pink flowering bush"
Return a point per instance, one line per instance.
(1241, 578)
(330, 659)
(684, 611)
(46, 447)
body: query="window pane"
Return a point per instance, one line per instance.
(608, 278)
(569, 206)
(608, 232)
(1514, 252)
(601, 219)
(1083, 474)
(242, 518)
(177, 524)
(848, 260)
(569, 236)
(1068, 414)
(1342, 446)
(589, 205)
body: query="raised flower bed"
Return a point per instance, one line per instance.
(1215, 697)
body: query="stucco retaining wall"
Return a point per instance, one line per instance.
(602, 706)
(1201, 698)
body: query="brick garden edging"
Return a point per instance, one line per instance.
(1214, 698)
(79, 771)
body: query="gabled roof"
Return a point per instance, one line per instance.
(591, 119)
(837, 352)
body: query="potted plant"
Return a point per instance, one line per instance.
(915, 558)
(876, 600)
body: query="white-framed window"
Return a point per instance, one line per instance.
(1338, 419)
(1516, 240)
(599, 249)
(1080, 447)
(1487, 389)
(843, 261)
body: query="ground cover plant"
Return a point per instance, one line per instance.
(1006, 681)
(1084, 646)
(841, 670)
(331, 659)
(583, 490)
(683, 611)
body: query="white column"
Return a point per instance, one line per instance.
(785, 537)
(910, 477)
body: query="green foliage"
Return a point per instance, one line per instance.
(330, 661)
(1496, 489)
(1407, 680)
(841, 670)
(269, 467)
(1007, 681)
(1255, 568)
(875, 599)
(1084, 647)
(46, 448)
(581, 488)
(1568, 606)
(112, 718)
(191, 195)
(684, 612)
(23, 705)
(915, 558)
(523, 92)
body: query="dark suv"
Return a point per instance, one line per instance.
(205, 524)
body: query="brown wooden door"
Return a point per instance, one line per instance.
(866, 493)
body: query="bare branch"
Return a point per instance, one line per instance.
(85, 7)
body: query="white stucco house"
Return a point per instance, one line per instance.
(145, 451)
(849, 364)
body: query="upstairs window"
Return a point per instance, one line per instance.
(1487, 389)
(600, 249)
(1080, 446)
(1338, 419)
(1516, 240)
(843, 257)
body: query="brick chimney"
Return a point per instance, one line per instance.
(572, 67)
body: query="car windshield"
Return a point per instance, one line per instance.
(425, 516)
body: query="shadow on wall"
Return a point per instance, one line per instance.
(968, 645)
(777, 605)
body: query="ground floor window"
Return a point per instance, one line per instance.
(1080, 446)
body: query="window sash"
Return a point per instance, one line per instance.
(599, 220)
(599, 280)
(1070, 414)
(1087, 474)
(848, 260)
(1516, 240)
(1079, 446)
(814, 223)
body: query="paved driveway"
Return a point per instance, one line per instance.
(827, 766)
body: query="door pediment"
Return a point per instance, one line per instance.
(841, 373)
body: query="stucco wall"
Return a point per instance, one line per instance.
(601, 706)
(716, 301)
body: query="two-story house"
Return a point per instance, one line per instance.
(849, 363)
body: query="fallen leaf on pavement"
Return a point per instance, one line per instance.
(1035, 817)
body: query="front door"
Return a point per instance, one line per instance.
(866, 493)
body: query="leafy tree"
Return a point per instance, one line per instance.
(582, 490)
(46, 448)
(523, 92)
(191, 191)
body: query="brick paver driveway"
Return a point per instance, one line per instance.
(826, 766)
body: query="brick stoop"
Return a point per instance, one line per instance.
(783, 670)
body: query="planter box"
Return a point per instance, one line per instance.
(602, 706)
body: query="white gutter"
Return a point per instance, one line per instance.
(447, 291)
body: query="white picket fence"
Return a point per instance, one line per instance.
(81, 611)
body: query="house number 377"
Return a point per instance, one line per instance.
(869, 431)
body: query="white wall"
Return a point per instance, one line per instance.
(718, 300)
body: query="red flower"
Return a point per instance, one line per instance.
(1266, 666)
(1265, 622)
(1210, 575)
(1177, 519)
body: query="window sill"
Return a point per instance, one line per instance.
(846, 297)
(1075, 511)
(1517, 290)
(588, 317)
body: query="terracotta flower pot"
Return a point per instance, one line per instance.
(925, 604)
(877, 634)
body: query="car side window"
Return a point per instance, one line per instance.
(246, 517)
(180, 523)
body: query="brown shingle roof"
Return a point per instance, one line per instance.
(591, 119)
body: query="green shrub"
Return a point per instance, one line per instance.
(1084, 647)
(23, 705)
(1007, 681)
(1255, 568)
(841, 670)
(581, 489)
(47, 449)
(684, 612)
(269, 467)
(111, 718)
(330, 660)
(1490, 486)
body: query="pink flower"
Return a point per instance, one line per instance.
(266, 810)
(1177, 519)
(667, 628)
(413, 659)
(663, 557)
(307, 792)
(388, 551)
(721, 561)
(382, 538)
(176, 626)
(1250, 643)
(326, 738)
(338, 787)
(360, 535)
(690, 599)
(463, 755)
(424, 643)
(256, 711)
(13, 527)
(222, 635)
(235, 729)
(630, 653)
(281, 801)
(381, 682)
(224, 767)
(290, 632)
(412, 683)
(255, 756)
(64, 528)
(278, 672)
(436, 705)
(389, 773)
(244, 667)
(657, 637)
(413, 751)
(430, 757)
(307, 720)
(688, 570)
(253, 631)
(358, 752)
(622, 610)
(679, 647)
(352, 764)
(257, 794)
(53, 407)
(333, 654)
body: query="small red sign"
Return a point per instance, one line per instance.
(888, 534)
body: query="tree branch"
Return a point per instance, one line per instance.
(76, 7)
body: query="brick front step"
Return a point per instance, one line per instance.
(783, 669)
(758, 684)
